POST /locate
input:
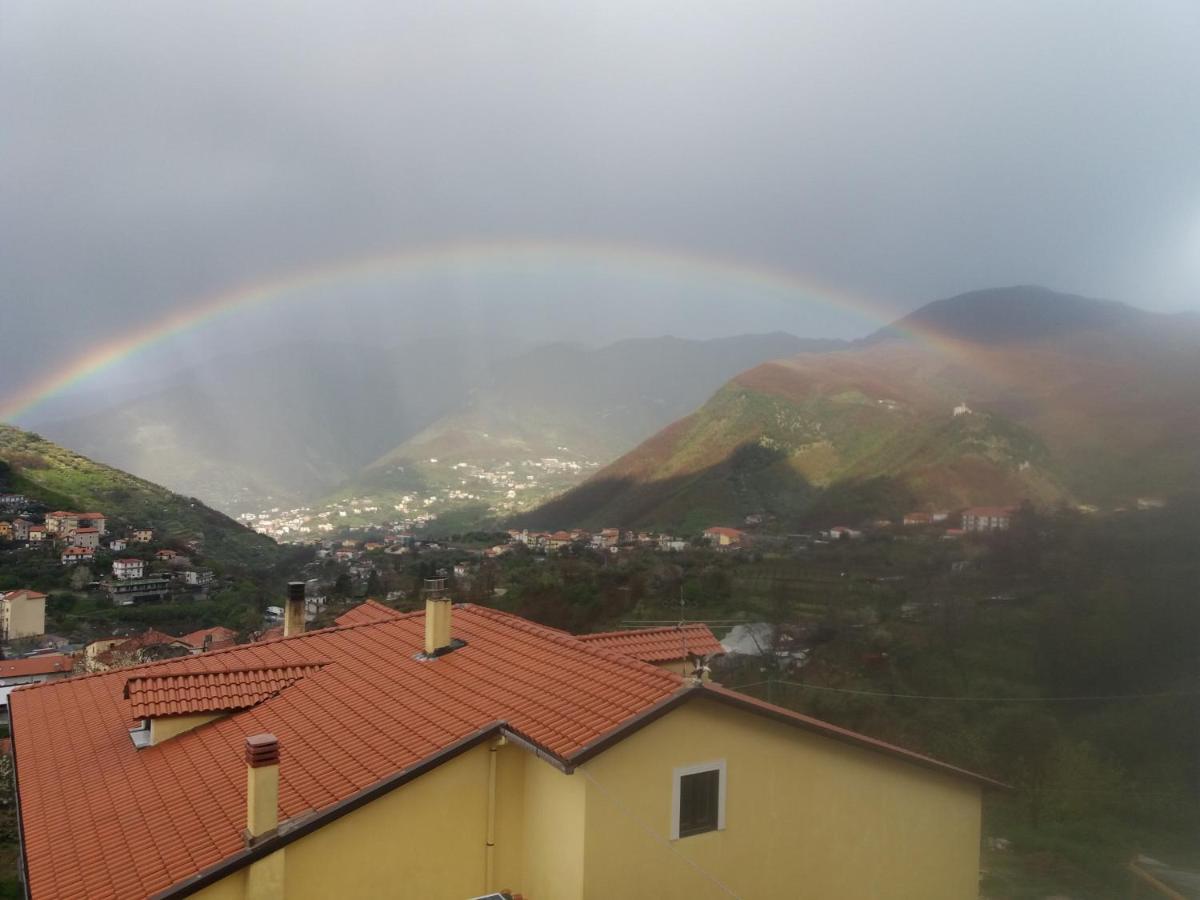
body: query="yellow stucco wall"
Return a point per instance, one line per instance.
(26, 618)
(554, 833)
(424, 839)
(164, 728)
(806, 817)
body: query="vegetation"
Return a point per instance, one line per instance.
(61, 479)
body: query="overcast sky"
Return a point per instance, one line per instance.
(155, 152)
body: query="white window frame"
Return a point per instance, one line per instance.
(717, 765)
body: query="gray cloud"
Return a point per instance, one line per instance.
(158, 151)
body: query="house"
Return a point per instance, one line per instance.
(128, 568)
(841, 532)
(726, 538)
(558, 540)
(198, 577)
(166, 555)
(118, 653)
(6, 531)
(13, 501)
(127, 591)
(22, 614)
(20, 529)
(987, 518)
(141, 535)
(117, 544)
(345, 554)
(15, 673)
(208, 639)
(917, 518)
(607, 538)
(36, 533)
(73, 555)
(451, 752)
(61, 522)
(85, 537)
(672, 647)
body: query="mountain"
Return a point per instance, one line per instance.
(61, 479)
(558, 411)
(990, 397)
(283, 425)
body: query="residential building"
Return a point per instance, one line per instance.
(198, 577)
(125, 569)
(726, 538)
(117, 544)
(672, 647)
(208, 639)
(454, 751)
(917, 518)
(126, 592)
(842, 532)
(61, 522)
(166, 555)
(13, 501)
(118, 653)
(85, 537)
(20, 529)
(6, 531)
(22, 614)
(36, 533)
(558, 540)
(15, 673)
(141, 535)
(72, 555)
(987, 518)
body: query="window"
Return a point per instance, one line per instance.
(698, 799)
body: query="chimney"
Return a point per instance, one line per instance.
(293, 613)
(437, 617)
(262, 786)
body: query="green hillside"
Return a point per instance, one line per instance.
(1096, 414)
(61, 479)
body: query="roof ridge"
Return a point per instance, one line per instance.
(313, 664)
(649, 629)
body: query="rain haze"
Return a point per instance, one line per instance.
(157, 154)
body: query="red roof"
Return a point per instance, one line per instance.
(204, 692)
(366, 711)
(220, 635)
(727, 532)
(23, 594)
(372, 710)
(151, 637)
(87, 531)
(47, 664)
(655, 645)
(368, 611)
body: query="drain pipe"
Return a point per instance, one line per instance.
(489, 849)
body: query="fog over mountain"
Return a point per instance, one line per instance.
(890, 153)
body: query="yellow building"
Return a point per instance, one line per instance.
(449, 754)
(22, 614)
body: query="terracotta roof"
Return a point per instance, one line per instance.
(654, 645)
(372, 710)
(728, 532)
(47, 664)
(371, 717)
(202, 692)
(149, 638)
(87, 531)
(368, 611)
(220, 635)
(23, 594)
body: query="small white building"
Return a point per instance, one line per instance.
(125, 569)
(73, 555)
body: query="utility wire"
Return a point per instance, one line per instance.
(641, 823)
(817, 687)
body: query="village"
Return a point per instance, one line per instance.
(497, 489)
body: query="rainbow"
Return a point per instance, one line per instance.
(518, 254)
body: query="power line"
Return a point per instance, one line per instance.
(817, 687)
(641, 823)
